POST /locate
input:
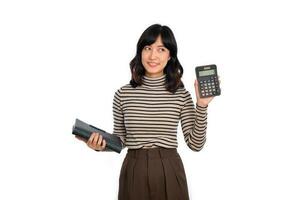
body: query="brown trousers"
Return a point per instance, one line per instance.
(152, 174)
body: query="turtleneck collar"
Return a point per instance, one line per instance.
(154, 82)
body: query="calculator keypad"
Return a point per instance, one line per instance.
(209, 86)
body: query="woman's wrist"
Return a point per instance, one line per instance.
(201, 105)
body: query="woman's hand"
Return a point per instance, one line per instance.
(202, 101)
(95, 141)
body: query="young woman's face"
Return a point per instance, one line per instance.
(154, 58)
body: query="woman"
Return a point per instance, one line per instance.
(146, 115)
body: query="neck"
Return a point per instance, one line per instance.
(159, 81)
(154, 75)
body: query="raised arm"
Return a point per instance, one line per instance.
(193, 123)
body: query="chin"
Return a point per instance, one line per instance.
(155, 69)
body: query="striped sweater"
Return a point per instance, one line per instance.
(147, 116)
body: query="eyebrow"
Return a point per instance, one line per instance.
(158, 46)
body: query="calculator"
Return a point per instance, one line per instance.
(208, 82)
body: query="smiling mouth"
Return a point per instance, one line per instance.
(151, 64)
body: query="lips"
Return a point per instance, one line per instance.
(153, 64)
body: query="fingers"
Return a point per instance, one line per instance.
(96, 142)
(196, 89)
(95, 139)
(104, 144)
(196, 82)
(90, 140)
(100, 144)
(219, 79)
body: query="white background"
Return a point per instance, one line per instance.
(62, 60)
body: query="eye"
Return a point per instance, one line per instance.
(161, 49)
(147, 48)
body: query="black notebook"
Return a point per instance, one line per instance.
(84, 130)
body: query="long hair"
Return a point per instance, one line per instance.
(173, 69)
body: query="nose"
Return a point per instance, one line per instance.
(152, 54)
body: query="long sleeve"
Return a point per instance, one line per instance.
(193, 123)
(119, 127)
(147, 116)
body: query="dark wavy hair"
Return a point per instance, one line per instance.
(173, 69)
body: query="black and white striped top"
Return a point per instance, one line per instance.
(147, 116)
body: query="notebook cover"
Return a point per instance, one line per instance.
(84, 130)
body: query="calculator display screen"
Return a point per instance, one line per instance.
(207, 72)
